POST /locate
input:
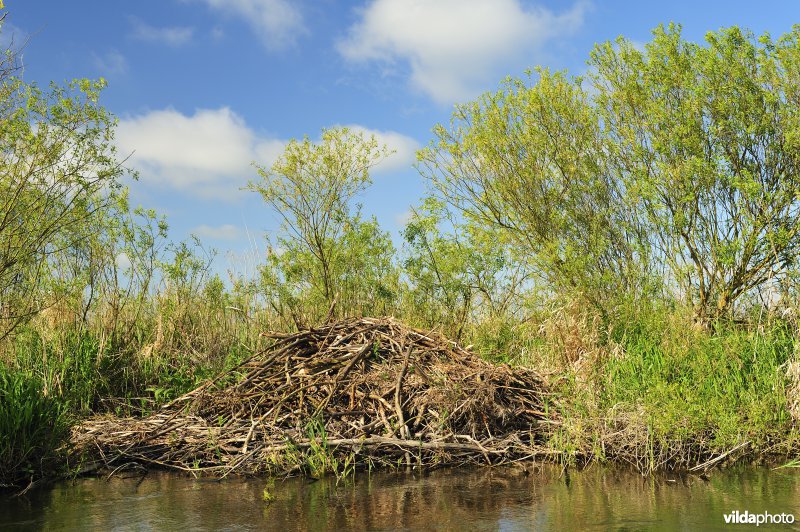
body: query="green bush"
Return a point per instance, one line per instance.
(33, 428)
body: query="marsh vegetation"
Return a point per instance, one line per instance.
(631, 235)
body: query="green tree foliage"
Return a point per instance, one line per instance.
(459, 272)
(706, 140)
(58, 176)
(532, 161)
(328, 253)
(678, 162)
(363, 274)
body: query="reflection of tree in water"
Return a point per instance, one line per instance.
(24, 513)
(614, 497)
(448, 499)
(544, 497)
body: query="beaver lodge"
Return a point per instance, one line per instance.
(358, 392)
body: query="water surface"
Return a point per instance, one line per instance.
(532, 498)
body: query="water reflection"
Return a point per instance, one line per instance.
(540, 497)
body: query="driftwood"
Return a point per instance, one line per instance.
(371, 391)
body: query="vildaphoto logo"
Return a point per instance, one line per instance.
(746, 518)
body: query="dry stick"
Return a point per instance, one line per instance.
(342, 374)
(399, 442)
(216, 379)
(404, 432)
(263, 366)
(365, 429)
(241, 460)
(483, 450)
(249, 435)
(343, 339)
(709, 463)
(168, 465)
(151, 436)
(385, 421)
(329, 318)
(331, 330)
(284, 398)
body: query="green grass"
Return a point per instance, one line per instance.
(72, 368)
(669, 394)
(321, 460)
(85, 378)
(654, 391)
(51, 382)
(729, 386)
(33, 429)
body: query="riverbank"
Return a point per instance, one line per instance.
(663, 396)
(668, 395)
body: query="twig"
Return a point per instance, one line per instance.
(708, 464)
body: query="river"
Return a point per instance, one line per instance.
(532, 498)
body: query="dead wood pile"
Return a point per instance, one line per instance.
(359, 391)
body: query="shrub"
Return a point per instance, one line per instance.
(33, 428)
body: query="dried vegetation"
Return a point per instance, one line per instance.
(347, 394)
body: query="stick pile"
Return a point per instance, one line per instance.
(373, 390)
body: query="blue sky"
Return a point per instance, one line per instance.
(202, 88)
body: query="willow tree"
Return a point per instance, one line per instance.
(58, 177)
(531, 160)
(327, 253)
(678, 160)
(459, 272)
(707, 139)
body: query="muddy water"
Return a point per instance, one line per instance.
(536, 498)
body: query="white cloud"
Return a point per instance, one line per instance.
(404, 148)
(207, 154)
(226, 232)
(111, 63)
(455, 48)
(401, 219)
(172, 36)
(278, 23)
(123, 261)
